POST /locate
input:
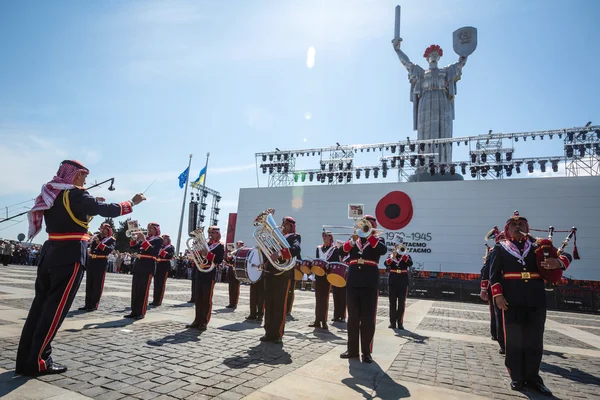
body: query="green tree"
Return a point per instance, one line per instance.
(122, 242)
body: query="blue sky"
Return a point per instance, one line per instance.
(131, 88)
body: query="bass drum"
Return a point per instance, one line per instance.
(246, 262)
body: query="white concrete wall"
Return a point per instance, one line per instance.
(457, 214)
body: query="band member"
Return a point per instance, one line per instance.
(148, 249)
(327, 252)
(163, 266)
(397, 266)
(496, 320)
(339, 293)
(277, 284)
(233, 283)
(291, 294)
(362, 291)
(205, 281)
(194, 272)
(101, 247)
(519, 291)
(257, 301)
(60, 262)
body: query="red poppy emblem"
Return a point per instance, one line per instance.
(394, 211)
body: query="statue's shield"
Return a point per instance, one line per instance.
(464, 41)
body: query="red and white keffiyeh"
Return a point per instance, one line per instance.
(62, 181)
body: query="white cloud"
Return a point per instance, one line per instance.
(232, 168)
(259, 118)
(27, 157)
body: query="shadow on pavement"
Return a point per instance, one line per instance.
(263, 353)
(379, 383)
(10, 382)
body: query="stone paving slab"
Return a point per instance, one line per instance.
(480, 329)
(157, 358)
(479, 369)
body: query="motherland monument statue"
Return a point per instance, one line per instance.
(432, 93)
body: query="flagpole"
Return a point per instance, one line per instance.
(187, 178)
(205, 173)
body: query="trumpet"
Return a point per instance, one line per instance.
(400, 248)
(196, 249)
(362, 228)
(134, 233)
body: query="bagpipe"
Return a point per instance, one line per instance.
(546, 249)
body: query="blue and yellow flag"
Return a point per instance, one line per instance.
(183, 177)
(201, 177)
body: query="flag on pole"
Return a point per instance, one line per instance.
(183, 177)
(201, 177)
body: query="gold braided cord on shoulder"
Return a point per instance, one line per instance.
(67, 205)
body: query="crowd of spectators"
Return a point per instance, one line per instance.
(13, 252)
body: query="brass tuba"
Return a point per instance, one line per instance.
(270, 240)
(196, 248)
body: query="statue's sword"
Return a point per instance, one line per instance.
(397, 24)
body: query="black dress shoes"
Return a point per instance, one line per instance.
(315, 325)
(84, 308)
(392, 326)
(401, 327)
(251, 317)
(129, 316)
(348, 355)
(202, 327)
(366, 358)
(540, 387)
(502, 351)
(324, 325)
(54, 368)
(516, 385)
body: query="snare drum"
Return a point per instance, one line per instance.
(298, 274)
(336, 274)
(319, 267)
(305, 266)
(245, 265)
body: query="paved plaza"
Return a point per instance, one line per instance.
(444, 353)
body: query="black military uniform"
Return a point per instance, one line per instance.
(277, 287)
(339, 293)
(496, 320)
(143, 271)
(514, 274)
(291, 295)
(257, 300)
(163, 266)
(205, 283)
(398, 287)
(96, 272)
(362, 293)
(59, 275)
(232, 283)
(323, 287)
